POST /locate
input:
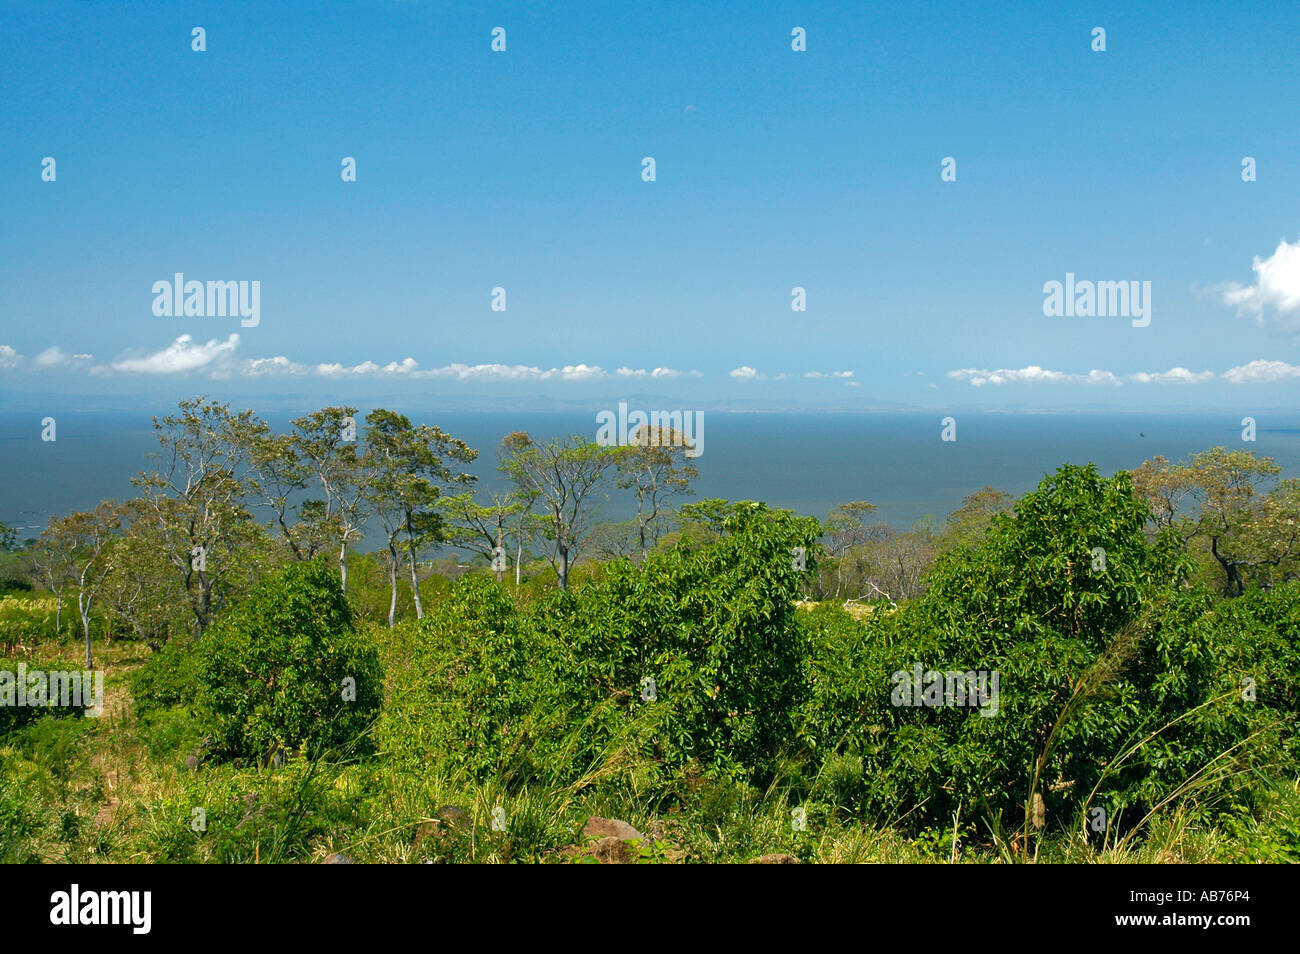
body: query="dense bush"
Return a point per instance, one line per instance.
(1113, 673)
(1115, 676)
(169, 678)
(551, 689)
(14, 716)
(286, 670)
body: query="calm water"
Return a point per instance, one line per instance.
(806, 462)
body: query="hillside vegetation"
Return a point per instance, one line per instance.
(716, 694)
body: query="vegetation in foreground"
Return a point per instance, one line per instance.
(713, 689)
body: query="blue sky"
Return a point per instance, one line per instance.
(774, 169)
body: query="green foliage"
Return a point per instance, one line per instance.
(539, 692)
(14, 716)
(272, 671)
(25, 620)
(169, 678)
(249, 816)
(1111, 673)
(1123, 686)
(1266, 827)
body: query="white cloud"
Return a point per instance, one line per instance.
(55, 357)
(1034, 374)
(515, 372)
(1172, 376)
(277, 365)
(486, 372)
(1276, 288)
(745, 373)
(1031, 374)
(9, 358)
(1260, 371)
(179, 357)
(626, 372)
(829, 374)
(1096, 376)
(579, 372)
(334, 369)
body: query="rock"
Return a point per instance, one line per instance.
(334, 858)
(611, 850)
(777, 859)
(598, 827)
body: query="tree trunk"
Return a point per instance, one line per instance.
(501, 546)
(392, 579)
(1236, 585)
(343, 565)
(205, 600)
(415, 581)
(83, 606)
(640, 520)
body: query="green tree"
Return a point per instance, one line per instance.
(195, 496)
(654, 467)
(55, 563)
(847, 537)
(409, 468)
(561, 475)
(967, 524)
(1219, 497)
(481, 527)
(326, 440)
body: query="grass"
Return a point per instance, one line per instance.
(117, 789)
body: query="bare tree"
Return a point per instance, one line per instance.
(54, 562)
(86, 537)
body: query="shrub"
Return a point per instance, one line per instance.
(1102, 669)
(14, 716)
(554, 690)
(272, 672)
(168, 678)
